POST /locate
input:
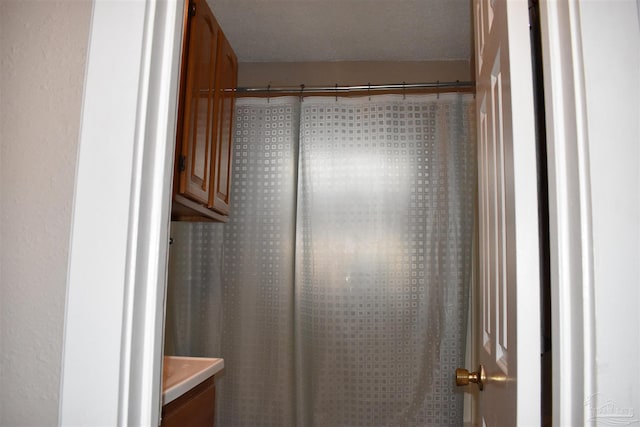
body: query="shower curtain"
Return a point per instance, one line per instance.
(342, 294)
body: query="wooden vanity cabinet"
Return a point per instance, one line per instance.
(196, 408)
(205, 120)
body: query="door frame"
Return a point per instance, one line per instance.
(116, 288)
(117, 273)
(570, 224)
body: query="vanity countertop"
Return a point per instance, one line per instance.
(181, 374)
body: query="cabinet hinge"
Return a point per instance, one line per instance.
(182, 163)
(192, 9)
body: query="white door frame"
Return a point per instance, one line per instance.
(118, 252)
(112, 354)
(571, 242)
(592, 62)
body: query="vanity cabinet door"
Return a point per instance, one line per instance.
(196, 408)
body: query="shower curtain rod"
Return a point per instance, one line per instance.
(457, 86)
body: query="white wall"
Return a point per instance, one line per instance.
(611, 52)
(261, 74)
(42, 59)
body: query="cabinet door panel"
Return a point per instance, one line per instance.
(196, 408)
(226, 80)
(198, 132)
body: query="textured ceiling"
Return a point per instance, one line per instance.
(345, 30)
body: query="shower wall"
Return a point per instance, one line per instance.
(194, 292)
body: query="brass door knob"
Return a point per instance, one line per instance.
(464, 377)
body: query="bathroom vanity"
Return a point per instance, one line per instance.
(188, 391)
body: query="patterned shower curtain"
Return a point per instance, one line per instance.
(346, 264)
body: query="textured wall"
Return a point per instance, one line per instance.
(611, 54)
(346, 30)
(42, 57)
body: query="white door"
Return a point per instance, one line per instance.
(508, 333)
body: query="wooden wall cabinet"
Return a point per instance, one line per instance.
(202, 175)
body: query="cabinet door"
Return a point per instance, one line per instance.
(196, 408)
(226, 80)
(198, 122)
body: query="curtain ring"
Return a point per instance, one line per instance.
(268, 94)
(336, 92)
(301, 91)
(404, 92)
(369, 91)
